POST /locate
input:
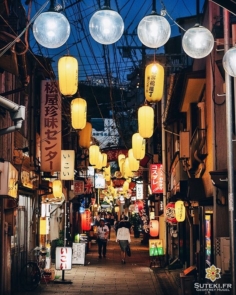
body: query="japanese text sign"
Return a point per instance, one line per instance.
(139, 190)
(78, 187)
(63, 258)
(50, 126)
(156, 174)
(67, 164)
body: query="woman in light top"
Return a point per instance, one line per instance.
(123, 236)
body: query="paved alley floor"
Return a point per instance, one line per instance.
(109, 276)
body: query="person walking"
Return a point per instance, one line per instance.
(102, 236)
(123, 236)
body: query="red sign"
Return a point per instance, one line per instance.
(112, 155)
(156, 174)
(78, 187)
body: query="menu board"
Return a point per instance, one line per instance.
(78, 253)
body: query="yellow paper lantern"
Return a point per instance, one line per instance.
(138, 146)
(78, 113)
(57, 188)
(180, 211)
(127, 172)
(133, 162)
(42, 226)
(93, 154)
(107, 174)
(145, 121)
(85, 136)
(99, 161)
(68, 75)
(122, 167)
(104, 159)
(125, 186)
(154, 82)
(120, 157)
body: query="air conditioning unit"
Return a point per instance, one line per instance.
(184, 145)
(223, 254)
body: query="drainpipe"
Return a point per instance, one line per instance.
(163, 144)
(229, 141)
(17, 113)
(190, 237)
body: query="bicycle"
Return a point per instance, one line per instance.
(33, 271)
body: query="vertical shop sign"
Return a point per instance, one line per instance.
(156, 174)
(139, 190)
(67, 164)
(50, 123)
(63, 258)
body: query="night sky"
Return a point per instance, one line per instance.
(96, 59)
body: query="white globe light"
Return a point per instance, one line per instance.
(154, 31)
(197, 42)
(106, 26)
(51, 29)
(229, 62)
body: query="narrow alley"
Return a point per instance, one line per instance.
(109, 276)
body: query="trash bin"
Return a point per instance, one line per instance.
(187, 284)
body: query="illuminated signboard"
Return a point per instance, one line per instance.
(156, 175)
(63, 258)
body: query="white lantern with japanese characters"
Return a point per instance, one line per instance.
(180, 211)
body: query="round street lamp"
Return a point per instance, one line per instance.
(154, 30)
(106, 26)
(229, 62)
(51, 29)
(197, 42)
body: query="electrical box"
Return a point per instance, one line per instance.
(223, 254)
(8, 180)
(184, 145)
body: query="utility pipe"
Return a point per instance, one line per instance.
(229, 141)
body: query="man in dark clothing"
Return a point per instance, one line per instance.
(102, 232)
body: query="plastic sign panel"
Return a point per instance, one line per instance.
(67, 164)
(50, 126)
(155, 247)
(63, 258)
(139, 190)
(180, 211)
(99, 181)
(156, 175)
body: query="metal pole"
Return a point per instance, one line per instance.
(163, 144)
(229, 133)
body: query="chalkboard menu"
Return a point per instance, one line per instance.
(78, 253)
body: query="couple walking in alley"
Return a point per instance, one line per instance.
(122, 237)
